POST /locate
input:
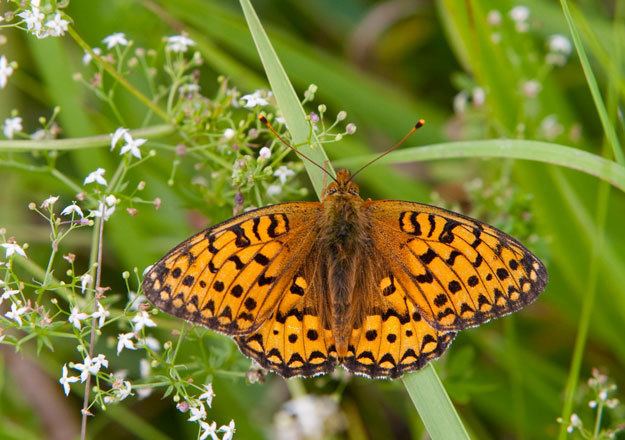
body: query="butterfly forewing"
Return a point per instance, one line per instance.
(231, 276)
(458, 271)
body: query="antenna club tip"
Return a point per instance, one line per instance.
(263, 119)
(420, 123)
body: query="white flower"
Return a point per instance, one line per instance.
(460, 102)
(560, 48)
(75, 317)
(283, 173)
(49, 202)
(135, 300)
(73, 208)
(550, 128)
(560, 44)
(85, 281)
(132, 145)
(86, 58)
(116, 39)
(145, 368)
(254, 99)
(57, 26)
(312, 413)
(208, 394)
(520, 16)
(90, 366)
(16, 313)
(33, 18)
(519, 13)
(99, 361)
(198, 412)
(264, 153)
(531, 88)
(179, 43)
(11, 125)
(96, 176)
(494, 17)
(110, 200)
(479, 96)
(108, 211)
(6, 70)
(124, 340)
(228, 430)
(65, 380)
(8, 294)
(123, 391)
(229, 134)
(12, 248)
(151, 342)
(141, 320)
(274, 190)
(208, 430)
(101, 314)
(115, 137)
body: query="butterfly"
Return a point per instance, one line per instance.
(379, 287)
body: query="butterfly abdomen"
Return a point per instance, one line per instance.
(344, 240)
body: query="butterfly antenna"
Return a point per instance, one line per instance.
(420, 123)
(267, 124)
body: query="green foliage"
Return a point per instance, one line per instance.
(490, 82)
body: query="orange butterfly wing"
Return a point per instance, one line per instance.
(394, 339)
(458, 271)
(231, 276)
(292, 342)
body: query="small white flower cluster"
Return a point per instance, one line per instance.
(477, 97)
(178, 43)
(131, 146)
(310, 417)
(11, 125)
(6, 70)
(559, 49)
(520, 16)
(601, 386)
(88, 366)
(256, 99)
(43, 25)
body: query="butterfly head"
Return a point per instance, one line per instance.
(342, 185)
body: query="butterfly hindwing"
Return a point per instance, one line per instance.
(231, 276)
(458, 271)
(292, 342)
(394, 339)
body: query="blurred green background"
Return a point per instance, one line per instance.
(386, 63)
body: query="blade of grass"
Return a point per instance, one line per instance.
(425, 388)
(80, 143)
(603, 194)
(546, 152)
(286, 97)
(608, 128)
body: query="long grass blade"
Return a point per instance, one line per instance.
(568, 157)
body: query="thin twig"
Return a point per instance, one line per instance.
(94, 323)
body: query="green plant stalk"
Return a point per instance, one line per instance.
(568, 157)
(587, 307)
(425, 388)
(101, 140)
(118, 77)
